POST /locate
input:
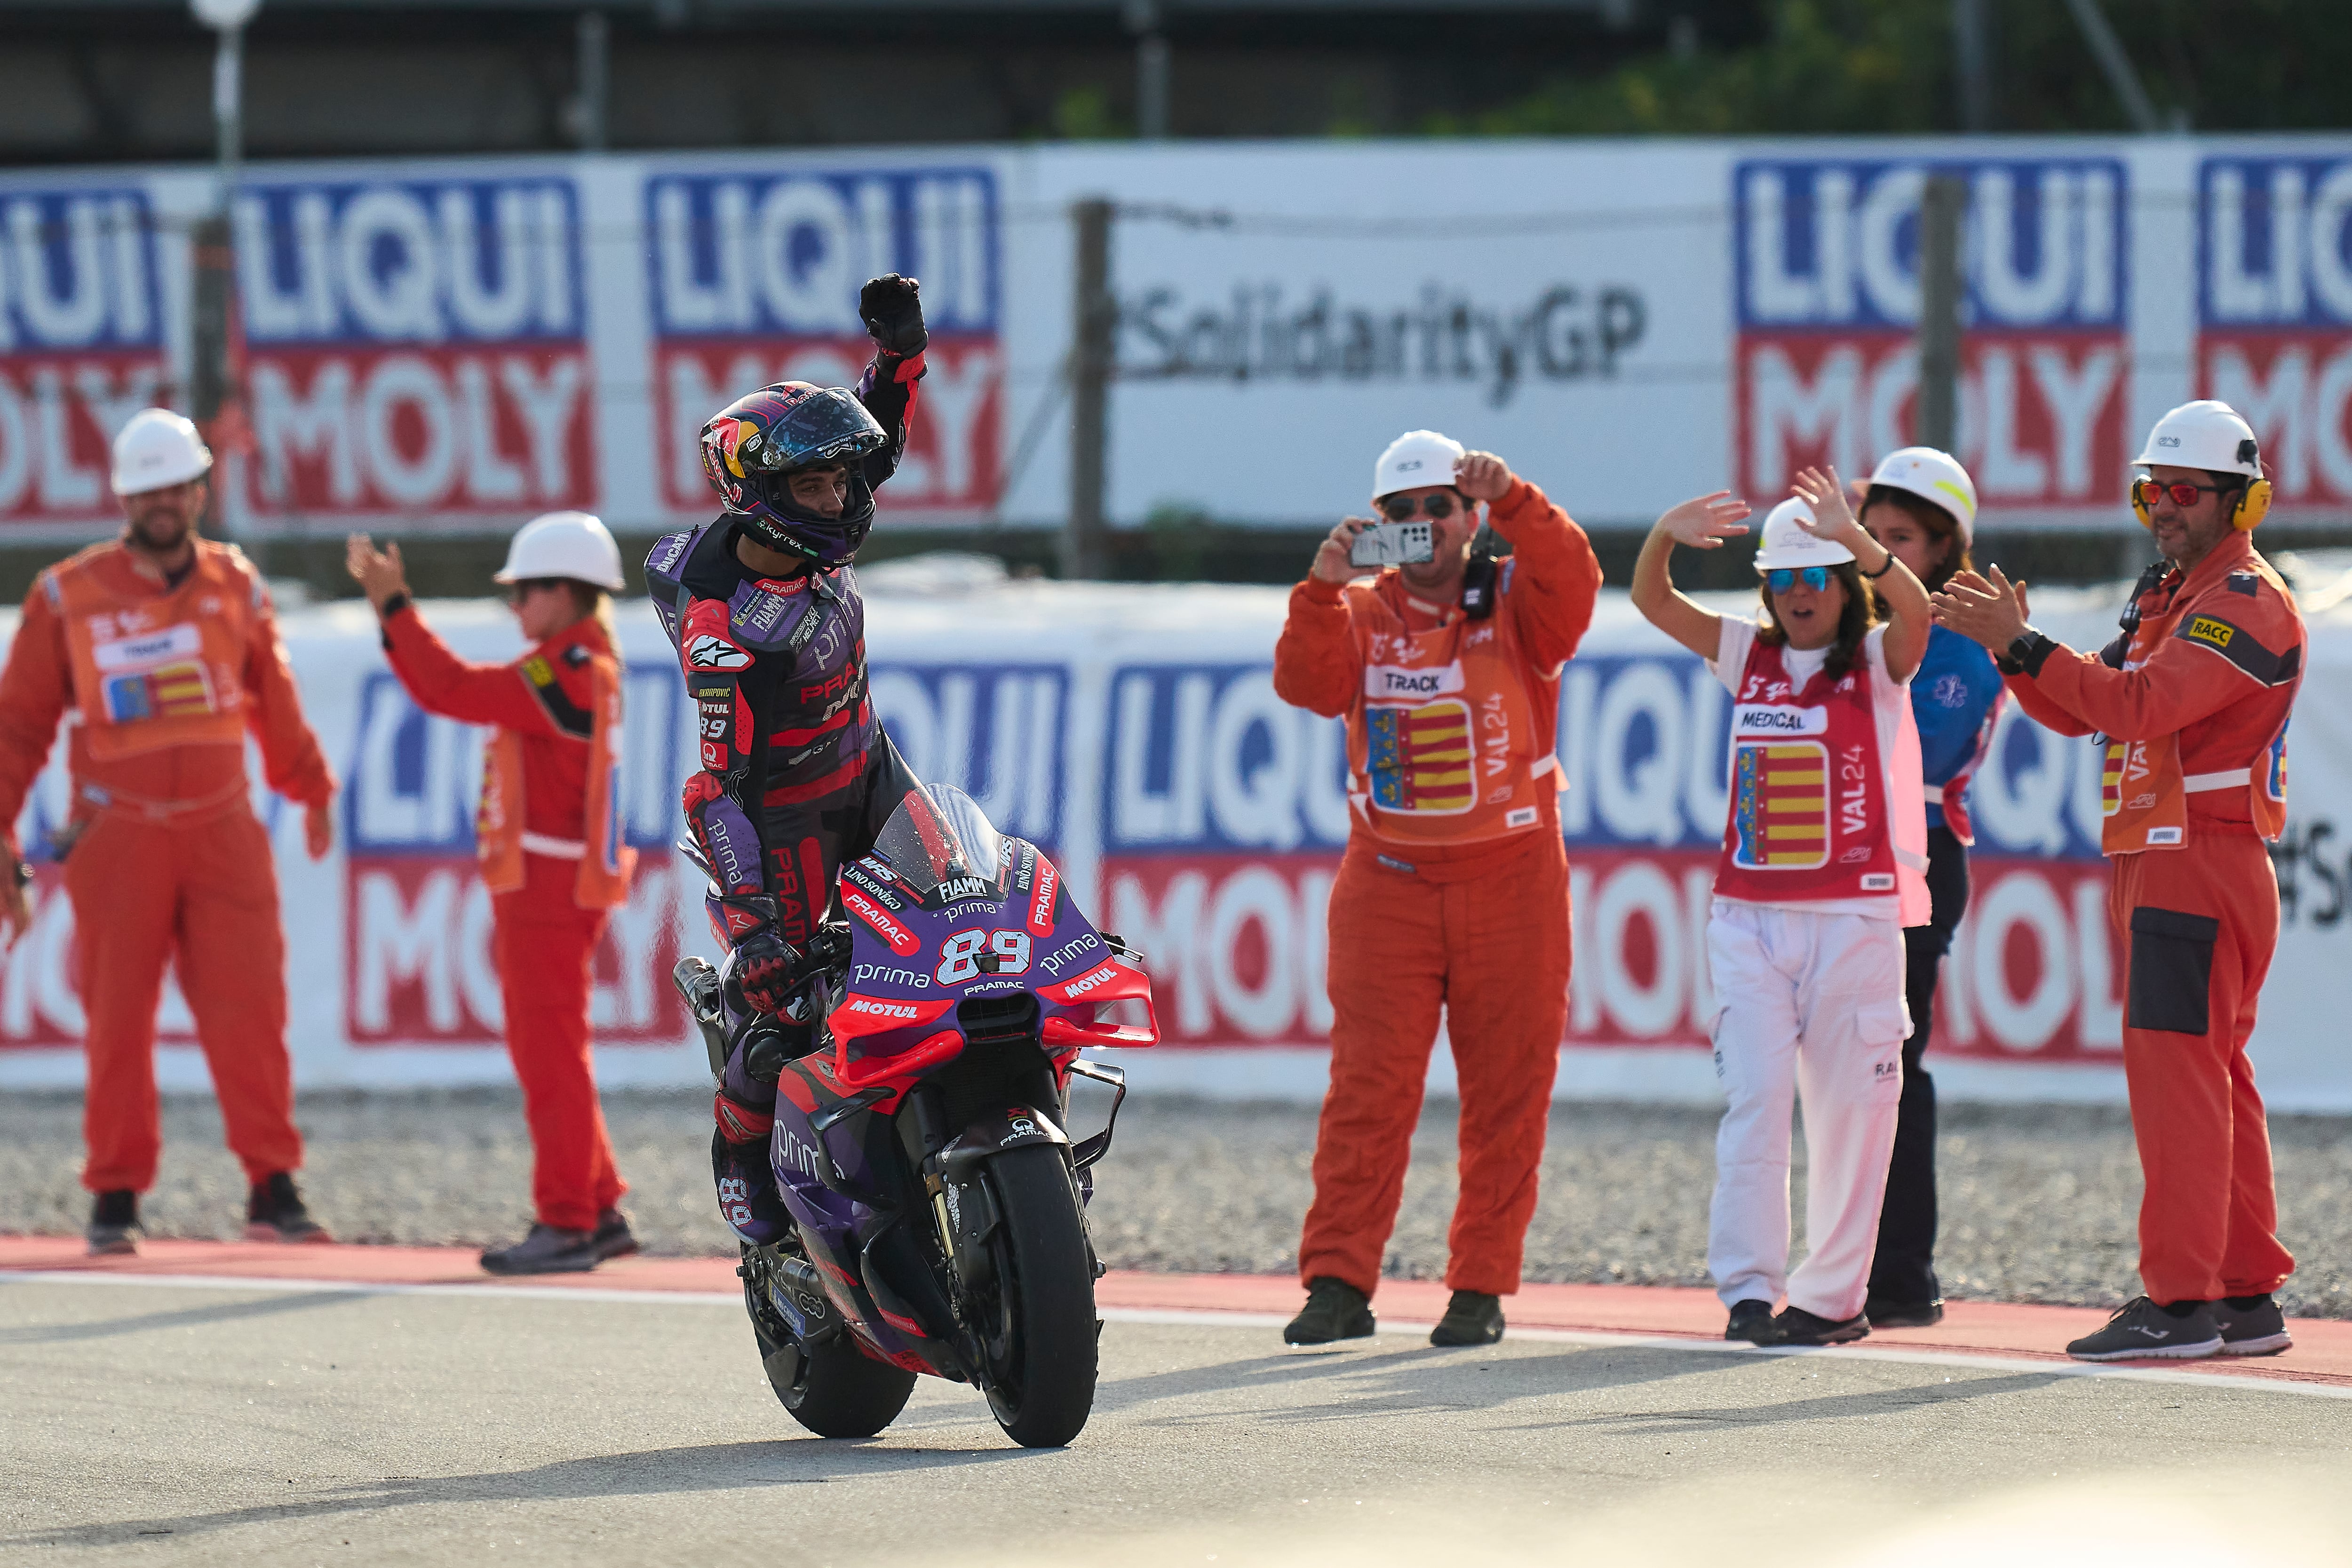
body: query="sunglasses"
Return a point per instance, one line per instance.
(1781, 579)
(518, 592)
(2147, 493)
(1396, 509)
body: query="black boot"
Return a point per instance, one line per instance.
(748, 1199)
(548, 1249)
(1751, 1321)
(274, 1212)
(114, 1223)
(612, 1237)
(1335, 1311)
(1471, 1318)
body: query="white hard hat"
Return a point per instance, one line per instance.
(1783, 542)
(2206, 433)
(1414, 459)
(1932, 476)
(564, 544)
(158, 447)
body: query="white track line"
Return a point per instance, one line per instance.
(1196, 1317)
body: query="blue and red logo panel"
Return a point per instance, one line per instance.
(1827, 285)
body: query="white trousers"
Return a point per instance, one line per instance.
(1808, 1003)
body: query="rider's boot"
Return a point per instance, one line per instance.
(748, 1199)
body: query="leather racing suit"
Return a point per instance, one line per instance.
(797, 774)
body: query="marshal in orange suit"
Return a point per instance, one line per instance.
(1452, 894)
(164, 649)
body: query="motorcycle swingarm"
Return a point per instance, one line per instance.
(1089, 1149)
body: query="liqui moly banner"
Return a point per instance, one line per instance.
(83, 343)
(754, 277)
(457, 345)
(415, 347)
(1829, 301)
(1135, 735)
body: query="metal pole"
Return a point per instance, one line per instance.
(1152, 64)
(228, 101)
(1940, 209)
(213, 257)
(596, 44)
(2108, 50)
(1972, 56)
(1093, 334)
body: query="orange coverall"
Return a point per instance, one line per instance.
(545, 938)
(1479, 929)
(168, 861)
(2208, 1217)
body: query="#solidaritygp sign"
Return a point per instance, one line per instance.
(1135, 733)
(460, 343)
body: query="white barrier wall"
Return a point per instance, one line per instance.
(460, 343)
(1134, 733)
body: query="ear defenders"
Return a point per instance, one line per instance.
(2254, 505)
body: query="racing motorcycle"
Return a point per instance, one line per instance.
(923, 1079)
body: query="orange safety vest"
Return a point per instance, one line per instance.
(160, 673)
(2143, 794)
(1447, 744)
(606, 864)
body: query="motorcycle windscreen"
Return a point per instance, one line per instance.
(937, 834)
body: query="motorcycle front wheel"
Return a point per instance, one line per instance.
(1039, 1341)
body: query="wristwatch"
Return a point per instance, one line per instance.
(2027, 652)
(23, 871)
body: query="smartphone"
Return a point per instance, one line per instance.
(1393, 544)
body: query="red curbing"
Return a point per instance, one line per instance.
(2322, 1353)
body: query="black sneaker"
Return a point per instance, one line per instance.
(612, 1237)
(1903, 1314)
(274, 1212)
(1471, 1318)
(1335, 1310)
(1750, 1320)
(546, 1250)
(2258, 1328)
(2142, 1329)
(1795, 1326)
(114, 1223)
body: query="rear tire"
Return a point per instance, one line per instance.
(1041, 1349)
(834, 1389)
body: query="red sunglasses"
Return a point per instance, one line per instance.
(2147, 493)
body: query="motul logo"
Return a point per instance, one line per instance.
(884, 1009)
(1093, 980)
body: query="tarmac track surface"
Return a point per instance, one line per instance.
(170, 1423)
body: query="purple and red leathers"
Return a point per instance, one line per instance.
(796, 773)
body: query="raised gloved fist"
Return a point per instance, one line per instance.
(893, 314)
(765, 968)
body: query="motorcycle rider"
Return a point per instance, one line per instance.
(797, 775)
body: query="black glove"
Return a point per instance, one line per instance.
(894, 315)
(765, 969)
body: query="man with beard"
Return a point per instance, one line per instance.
(165, 647)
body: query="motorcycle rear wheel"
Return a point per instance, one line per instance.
(833, 1388)
(1040, 1349)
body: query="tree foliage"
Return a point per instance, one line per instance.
(1887, 66)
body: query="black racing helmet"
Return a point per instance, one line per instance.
(752, 448)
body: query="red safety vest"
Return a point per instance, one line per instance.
(1809, 817)
(606, 864)
(160, 671)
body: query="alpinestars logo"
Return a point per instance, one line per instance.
(710, 652)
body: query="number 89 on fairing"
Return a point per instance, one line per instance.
(961, 955)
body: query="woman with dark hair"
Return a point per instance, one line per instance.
(1921, 506)
(1823, 861)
